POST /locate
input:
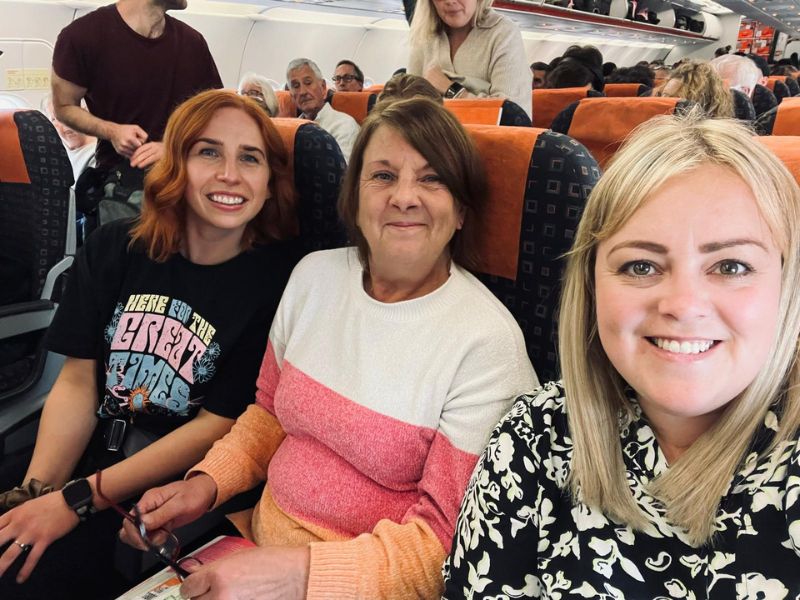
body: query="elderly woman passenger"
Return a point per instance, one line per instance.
(666, 464)
(257, 87)
(466, 49)
(386, 366)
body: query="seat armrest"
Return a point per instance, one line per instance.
(25, 317)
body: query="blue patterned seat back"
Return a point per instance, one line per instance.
(763, 99)
(560, 176)
(514, 116)
(319, 168)
(743, 108)
(33, 216)
(33, 231)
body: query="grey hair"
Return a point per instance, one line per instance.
(299, 63)
(266, 90)
(739, 71)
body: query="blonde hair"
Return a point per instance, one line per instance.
(699, 82)
(426, 21)
(597, 406)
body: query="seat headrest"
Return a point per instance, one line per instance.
(602, 124)
(787, 148)
(286, 106)
(12, 165)
(547, 103)
(476, 111)
(787, 118)
(506, 154)
(355, 104)
(622, 90)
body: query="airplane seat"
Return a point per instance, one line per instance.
(777, 84)
(355, 104)
(783, 120)
(538, 184)
(286, 106)
(514, 115)
(602, 124)
(787, 148)
(547, 103)
(375, 88)
(487, 111)
(318, 167)
(36, 222)
(625, 90)
(763, 99)
(743, 108)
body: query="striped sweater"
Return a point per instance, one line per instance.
(369, 418)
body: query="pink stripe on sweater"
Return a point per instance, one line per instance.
(345, 467)
(268, 377)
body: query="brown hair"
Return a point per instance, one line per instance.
(161, 225)
(442, 141)
(405, 86)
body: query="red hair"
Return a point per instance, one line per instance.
(161, 225)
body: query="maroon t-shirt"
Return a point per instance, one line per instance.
(131, 79)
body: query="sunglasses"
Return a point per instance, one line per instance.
(166, 551)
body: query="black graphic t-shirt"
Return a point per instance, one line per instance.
(169, 337)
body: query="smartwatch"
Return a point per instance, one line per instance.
(454, 90)
(78, 496)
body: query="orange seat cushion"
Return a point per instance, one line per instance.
(286, 105)
(506, 154)
(476, 111)
(355, 104)
(787, 148)
(787, 119)
(547, 103)
(12, 163)
(621, 90)
(602, 124)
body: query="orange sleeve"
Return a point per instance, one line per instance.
(393, 561)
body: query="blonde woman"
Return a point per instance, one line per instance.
(666, 462)
(466, 50)
(699, 82)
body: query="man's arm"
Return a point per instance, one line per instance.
(67, 96)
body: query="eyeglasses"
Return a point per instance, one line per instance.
(166, 551)
(255, 94)
(343, 78)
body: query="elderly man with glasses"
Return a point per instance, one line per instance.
(348, 77)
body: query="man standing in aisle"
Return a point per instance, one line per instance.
(133, 64)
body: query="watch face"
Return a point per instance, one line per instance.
(77, 493)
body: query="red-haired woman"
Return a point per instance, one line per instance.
(164, 324)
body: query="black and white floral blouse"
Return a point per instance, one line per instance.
(519, 535)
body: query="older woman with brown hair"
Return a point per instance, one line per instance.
(386, 365)
(163, 324)
(666, 463)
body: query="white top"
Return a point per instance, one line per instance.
(451, 360)
(341, 126)
(490, 63)
(80, 158)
